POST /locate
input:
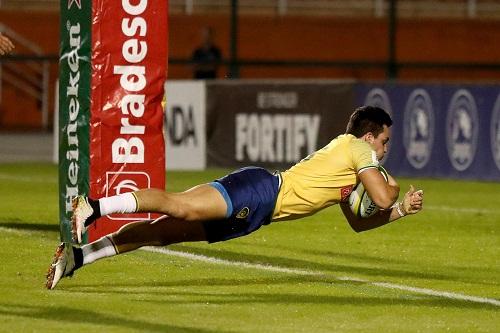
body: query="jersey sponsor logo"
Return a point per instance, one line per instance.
(495, 132)
(345, 192)
(119, 182)
(378, 97)
(418, 128)
(462, 130)
(243, 213)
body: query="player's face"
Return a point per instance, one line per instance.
(381, 143)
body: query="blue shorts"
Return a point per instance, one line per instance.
(250, 194)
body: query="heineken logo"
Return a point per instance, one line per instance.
(78, 3)
(72, 111)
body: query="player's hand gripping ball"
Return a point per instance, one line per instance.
(359, 201)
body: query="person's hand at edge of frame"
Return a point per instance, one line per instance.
(6, 45)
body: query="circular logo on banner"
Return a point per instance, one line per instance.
(378, 97)
(462, 130)
(418, 128)
(495, 132)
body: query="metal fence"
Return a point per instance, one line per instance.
(366, 8)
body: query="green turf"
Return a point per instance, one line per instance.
(452, 246)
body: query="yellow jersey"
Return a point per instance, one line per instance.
(324, 178)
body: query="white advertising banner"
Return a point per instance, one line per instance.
(185, 135)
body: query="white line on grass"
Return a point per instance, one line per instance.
(28, 179)
(473, 210)
(287, 270)
(14, 231)
(281, 269)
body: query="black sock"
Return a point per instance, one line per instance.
(78, 254)
(97, 211)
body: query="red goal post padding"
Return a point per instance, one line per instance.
(112, 69)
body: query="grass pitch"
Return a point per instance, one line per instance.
(312, 275)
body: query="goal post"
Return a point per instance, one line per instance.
(113, 64)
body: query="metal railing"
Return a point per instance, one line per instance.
(28, 74)
(363, 8)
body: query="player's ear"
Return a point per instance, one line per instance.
(368, 137)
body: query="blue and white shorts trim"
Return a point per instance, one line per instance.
(219, 187)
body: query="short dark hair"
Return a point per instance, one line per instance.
(368, 119)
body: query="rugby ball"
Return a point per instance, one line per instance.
(359, 201)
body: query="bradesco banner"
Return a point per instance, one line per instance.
(129, 59)
(440, 130)
(273, 124)
(127, 48)
(185, 125)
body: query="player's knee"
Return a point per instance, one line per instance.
(192, 214)
(185, 211)
(191, 209)
(174, 205)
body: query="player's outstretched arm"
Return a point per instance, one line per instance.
(412, 203)
(383, 193)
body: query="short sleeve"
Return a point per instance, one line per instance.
(363, 156)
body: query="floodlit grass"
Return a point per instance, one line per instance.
(452, 246)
